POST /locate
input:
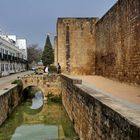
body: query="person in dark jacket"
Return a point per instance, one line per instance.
(58, 68)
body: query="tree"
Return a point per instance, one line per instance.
(34, 53)
(48, 53)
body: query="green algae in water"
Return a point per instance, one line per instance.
(49, 122)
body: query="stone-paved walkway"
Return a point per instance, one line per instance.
(128, 94)
(5, 82)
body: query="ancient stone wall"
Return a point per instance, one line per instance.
(76, 45)
(118, 42)
(55, 51)
(96, 116)
(9, 99)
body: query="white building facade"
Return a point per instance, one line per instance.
(13, 55)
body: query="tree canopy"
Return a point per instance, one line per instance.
(48, 53)
(34, 53)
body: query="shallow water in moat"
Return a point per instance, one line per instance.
(49, 121)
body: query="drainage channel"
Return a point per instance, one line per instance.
(36, 120)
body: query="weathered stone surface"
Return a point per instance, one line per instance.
(96, 116)
(9, 99)
(55, 51)
(47, 84)
(118, 42)
(109, 47)
(76, 45)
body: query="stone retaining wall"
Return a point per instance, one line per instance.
(9, 99)
(96, 116)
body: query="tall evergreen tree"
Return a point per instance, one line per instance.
(48, 53)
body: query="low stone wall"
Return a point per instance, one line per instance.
(9, 99)
(96, 116)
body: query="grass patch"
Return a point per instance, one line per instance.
(18, 82)
(51, 98)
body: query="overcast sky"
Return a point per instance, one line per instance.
(33, 19)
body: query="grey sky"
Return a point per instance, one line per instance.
(33, 19)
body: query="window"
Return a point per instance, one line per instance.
(13, 67)
(10, 66)
(2, 67)
(6, 67)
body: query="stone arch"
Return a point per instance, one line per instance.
(46, 85)
(36, 81)
(32, 85)
(26, 95)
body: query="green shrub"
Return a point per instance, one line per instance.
(52, 69)
(18, 82)
(50, 95)
(54, 98)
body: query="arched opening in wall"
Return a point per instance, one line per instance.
(34, 98)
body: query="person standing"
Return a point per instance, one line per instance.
(46, 70)
(58, 68)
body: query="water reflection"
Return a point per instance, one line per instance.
(36, 132)
(37, 101)
(36, 104)
(37, 121)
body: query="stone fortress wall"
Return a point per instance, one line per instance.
(118, 42)
(108, 47)
(76, 45)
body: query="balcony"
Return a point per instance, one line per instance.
(10, 58)
(4, 57)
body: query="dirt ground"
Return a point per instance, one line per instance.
(120, 90)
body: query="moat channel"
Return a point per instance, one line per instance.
(36, 120)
